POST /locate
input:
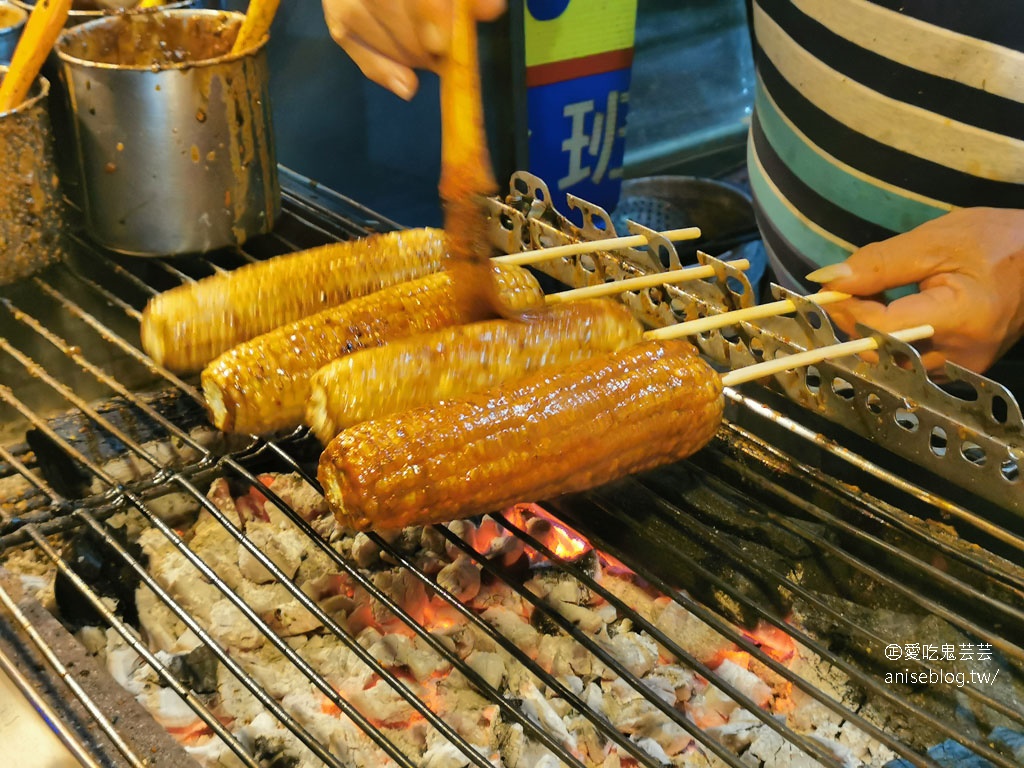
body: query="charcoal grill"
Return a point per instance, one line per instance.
(849, 511)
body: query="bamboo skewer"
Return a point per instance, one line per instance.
(639, 283)
(812, 356)
(724, 319)
(538, 255)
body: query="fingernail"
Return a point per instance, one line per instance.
(432, 38)
(830, 273)
(401, 87)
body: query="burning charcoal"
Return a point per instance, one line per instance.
(273, 753)
(65, 475)
(406, 541)
(276, 606)
(405, 589)
(558, 586)
(544, 623)
(490, 666)
(563, 657)
(364, 550)
(432, 540)
(511, 742)
(430, 563)
(461, 578)
(636, 652)
(512, 626)
(284, 546)
(99, 446)
(103, 570)
(717, 702)
(463, 529)
(196, 670)
(294, 491)
(162, 630)
(536, 707)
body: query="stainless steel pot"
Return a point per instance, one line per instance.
(173, 132)
(12, 20)
(32, 212)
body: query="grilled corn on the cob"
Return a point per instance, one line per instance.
(546, 434)
(186, 327)
(466, 358)
(263, 384)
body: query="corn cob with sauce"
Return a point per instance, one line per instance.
(262, 385)
(454, 361)
(186, 327)
(546, 434)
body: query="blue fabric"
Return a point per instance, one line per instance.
(950, 754)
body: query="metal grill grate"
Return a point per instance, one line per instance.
(732, 537)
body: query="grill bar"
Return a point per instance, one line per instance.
(130, 638)
(865, 681)
(939, 503)
(933, 606)
(146, 278)
(738, 638)
(121, 344)
(67, 738)
(808, 747)
(223, 656)
(142, 453)
(114, 486)
(790, 585)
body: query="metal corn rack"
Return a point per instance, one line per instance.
(975, 441)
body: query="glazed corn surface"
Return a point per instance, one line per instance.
(467, 358)
(186, 327)
(263, 384)
(547, 434)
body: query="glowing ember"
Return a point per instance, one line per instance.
(773, 641)
(552, 533)
(456, 687)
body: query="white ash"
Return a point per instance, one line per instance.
(410, 662)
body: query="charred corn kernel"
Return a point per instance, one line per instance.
(263, 384)
(546, 434)
(467, 358)
(186, 327)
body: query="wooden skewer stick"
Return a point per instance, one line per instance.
(639, 283)
(590, 246)
(812, 356)
(740, 316)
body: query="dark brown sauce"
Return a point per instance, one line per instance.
(31, 207)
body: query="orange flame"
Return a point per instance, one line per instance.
(562, 540)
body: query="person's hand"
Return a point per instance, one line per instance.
(389, 39)
(969, 265)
